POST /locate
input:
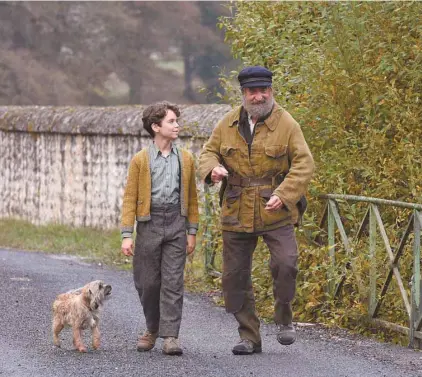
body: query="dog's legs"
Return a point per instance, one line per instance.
(95, 337)
(57, 327)
(77, 339)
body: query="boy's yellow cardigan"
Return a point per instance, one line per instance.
(137, 197)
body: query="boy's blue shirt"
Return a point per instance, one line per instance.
(165, 176)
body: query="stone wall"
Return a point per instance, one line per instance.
(68, 165)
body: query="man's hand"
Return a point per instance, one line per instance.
(191, 244)
(218, 173)
(127, 247)
(274, 204)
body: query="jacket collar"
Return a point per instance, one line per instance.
(270, 122)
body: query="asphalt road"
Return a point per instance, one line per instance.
(30, 281)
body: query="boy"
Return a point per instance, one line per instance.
(161, 195)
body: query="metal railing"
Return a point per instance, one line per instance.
(370, 225)
(372, 219)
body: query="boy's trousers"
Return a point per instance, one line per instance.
(158, 267)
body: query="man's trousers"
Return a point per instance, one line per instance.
(238, 248)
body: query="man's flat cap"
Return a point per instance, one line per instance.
(255, 77)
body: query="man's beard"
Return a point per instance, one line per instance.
(258, 110)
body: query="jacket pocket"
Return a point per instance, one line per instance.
(275, 158)
(227, 150)
(271, 217)
(231, 206)
(276, 151)
(230, 156)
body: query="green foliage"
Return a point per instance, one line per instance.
(92, 244)
(350, 74)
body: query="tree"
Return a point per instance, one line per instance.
(65, 52)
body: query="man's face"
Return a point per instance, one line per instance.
(258, 102)
(169, 128)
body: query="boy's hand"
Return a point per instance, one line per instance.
(191, 244)
(127, 247)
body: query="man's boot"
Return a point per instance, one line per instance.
(247, 347)
(286, 333)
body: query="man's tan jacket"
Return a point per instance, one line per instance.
(137, 197)
(278, 147)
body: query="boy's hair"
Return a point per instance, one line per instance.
(155, 113)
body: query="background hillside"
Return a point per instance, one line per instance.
(110, 53)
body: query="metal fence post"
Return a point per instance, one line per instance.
(372, 255)
(416, 282)
(331, 248)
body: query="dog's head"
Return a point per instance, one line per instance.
(95, 293)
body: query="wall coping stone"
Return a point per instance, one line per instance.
(197, 120)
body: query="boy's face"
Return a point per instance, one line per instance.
(169, 128)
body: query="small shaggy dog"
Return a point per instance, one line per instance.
(80, 309)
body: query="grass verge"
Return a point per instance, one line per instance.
(91, 244)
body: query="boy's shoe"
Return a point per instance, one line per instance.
(171, 346)
(247, 347)
(146, 342)
(286, 334)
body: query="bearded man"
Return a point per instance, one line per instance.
(259, 154)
